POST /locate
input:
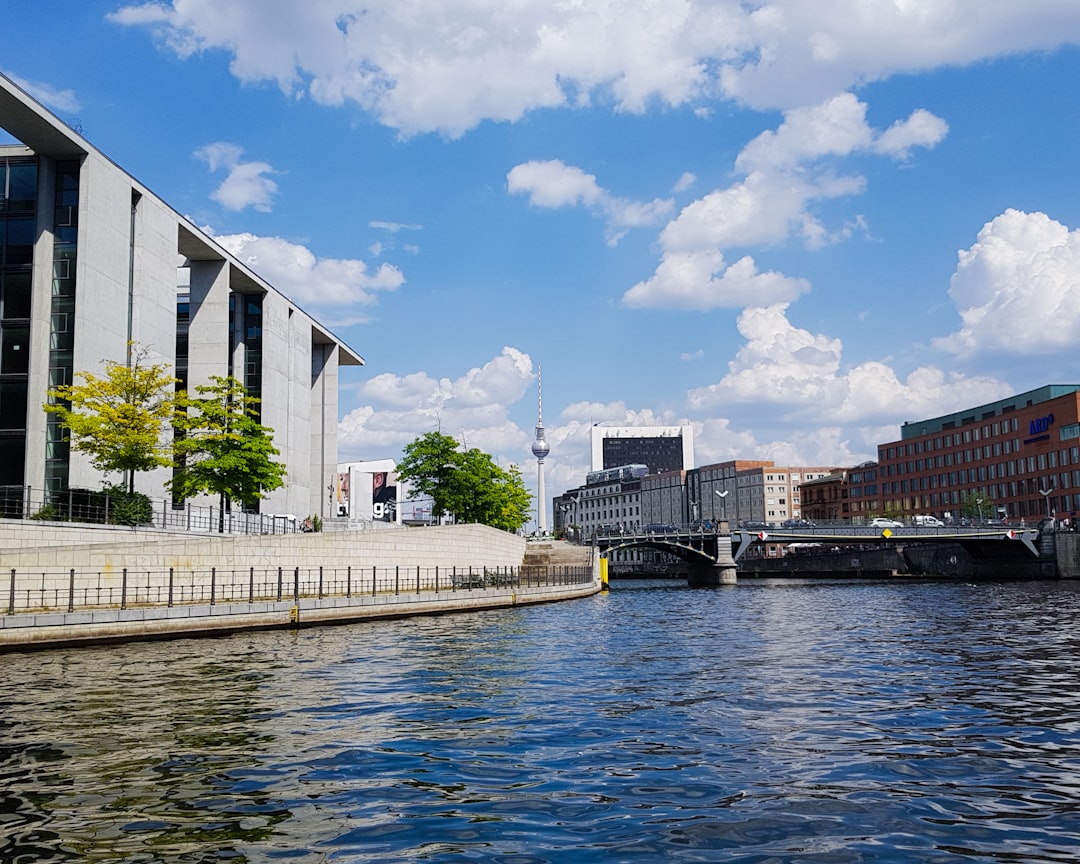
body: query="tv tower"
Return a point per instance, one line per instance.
(540, 449)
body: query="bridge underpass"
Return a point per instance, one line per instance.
(714, 557)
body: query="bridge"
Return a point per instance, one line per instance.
(713, 555)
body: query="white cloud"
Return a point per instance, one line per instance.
(420, 66)
(319, 283)
(787, 372)
(246, 184)
(64, 101)
(471, 408)
(788, 171)
(554, 184)
(704, 281)
(1017, 289)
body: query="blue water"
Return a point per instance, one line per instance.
(771, 721)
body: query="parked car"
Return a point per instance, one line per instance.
(796, 523)
(924, 521)
(882, 522)
(660, 528)
(749, 525)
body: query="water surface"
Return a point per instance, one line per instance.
(772, 721)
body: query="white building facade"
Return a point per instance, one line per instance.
(90, 262)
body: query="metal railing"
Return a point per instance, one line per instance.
(46, 591)
(102, 508)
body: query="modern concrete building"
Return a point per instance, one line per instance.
(91, 261)
(1016, 458)
(661, 448)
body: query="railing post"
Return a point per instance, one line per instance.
(417, 578)
(279, 584)
(123, 591)
(320, 581)
(374, 579)
(453, 578)
(397, 578)
(436, 578)
(296, 585)
(213, 584)
(348, 581)
(251, 585)
(171, 576)
(71, 590)
(11, 596)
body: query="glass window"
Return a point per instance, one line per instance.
(16, 294)
(12, 456)
(13, 405)
(15, 351)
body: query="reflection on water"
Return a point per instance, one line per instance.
(771, 721)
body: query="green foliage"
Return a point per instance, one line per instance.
(467, 484)
(221, 447)
(977, 506)
(112, 505)
(119, 420)
(48, 513)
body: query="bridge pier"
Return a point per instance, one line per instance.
(706, 576)
(722, 571)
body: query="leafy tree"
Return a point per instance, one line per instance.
(120, 420)
(467, 484)
(221, 447)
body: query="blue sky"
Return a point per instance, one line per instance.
(794, 225)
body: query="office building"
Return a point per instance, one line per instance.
(660, 448)
(92, 261)
(1016, 458)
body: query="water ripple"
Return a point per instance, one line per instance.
(777, 721)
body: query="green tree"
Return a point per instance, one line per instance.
(221, 448)
(467, 484)
(120, 420)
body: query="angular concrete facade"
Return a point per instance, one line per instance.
(101, 269)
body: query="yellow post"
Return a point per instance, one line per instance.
(603, 574)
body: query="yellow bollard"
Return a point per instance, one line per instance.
(294, 616)
(603, 574)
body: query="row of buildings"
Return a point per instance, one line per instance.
(1017, 458)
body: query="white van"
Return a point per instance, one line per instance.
(927, 522)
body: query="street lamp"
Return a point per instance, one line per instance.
(1046, 494)
(978, 502)
(723, 503)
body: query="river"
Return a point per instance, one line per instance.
(770, 721)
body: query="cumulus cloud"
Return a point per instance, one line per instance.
(1017, 289)
(784, 367)
(448, 66)
(64, 101)
(472, 408)
(554, 184)
(787, 172)
(319, 283)
(246, 184)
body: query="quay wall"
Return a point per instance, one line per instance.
(59, 547)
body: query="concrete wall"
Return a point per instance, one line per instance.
(443, 546)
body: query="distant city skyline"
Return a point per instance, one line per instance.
(791, 231)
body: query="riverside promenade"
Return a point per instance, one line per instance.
(63, 584)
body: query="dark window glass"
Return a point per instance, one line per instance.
(15, 351)
(22, 187)
(13, 405)
(19, 249)
(12, 456)
(16, 294)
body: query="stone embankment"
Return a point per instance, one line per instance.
(64, 584)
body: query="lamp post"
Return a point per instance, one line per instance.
(978, 503)
(1046, 494)
(723, 503)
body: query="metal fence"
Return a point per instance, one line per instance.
(37, 590)
(103, 508)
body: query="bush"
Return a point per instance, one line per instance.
(112, 505)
